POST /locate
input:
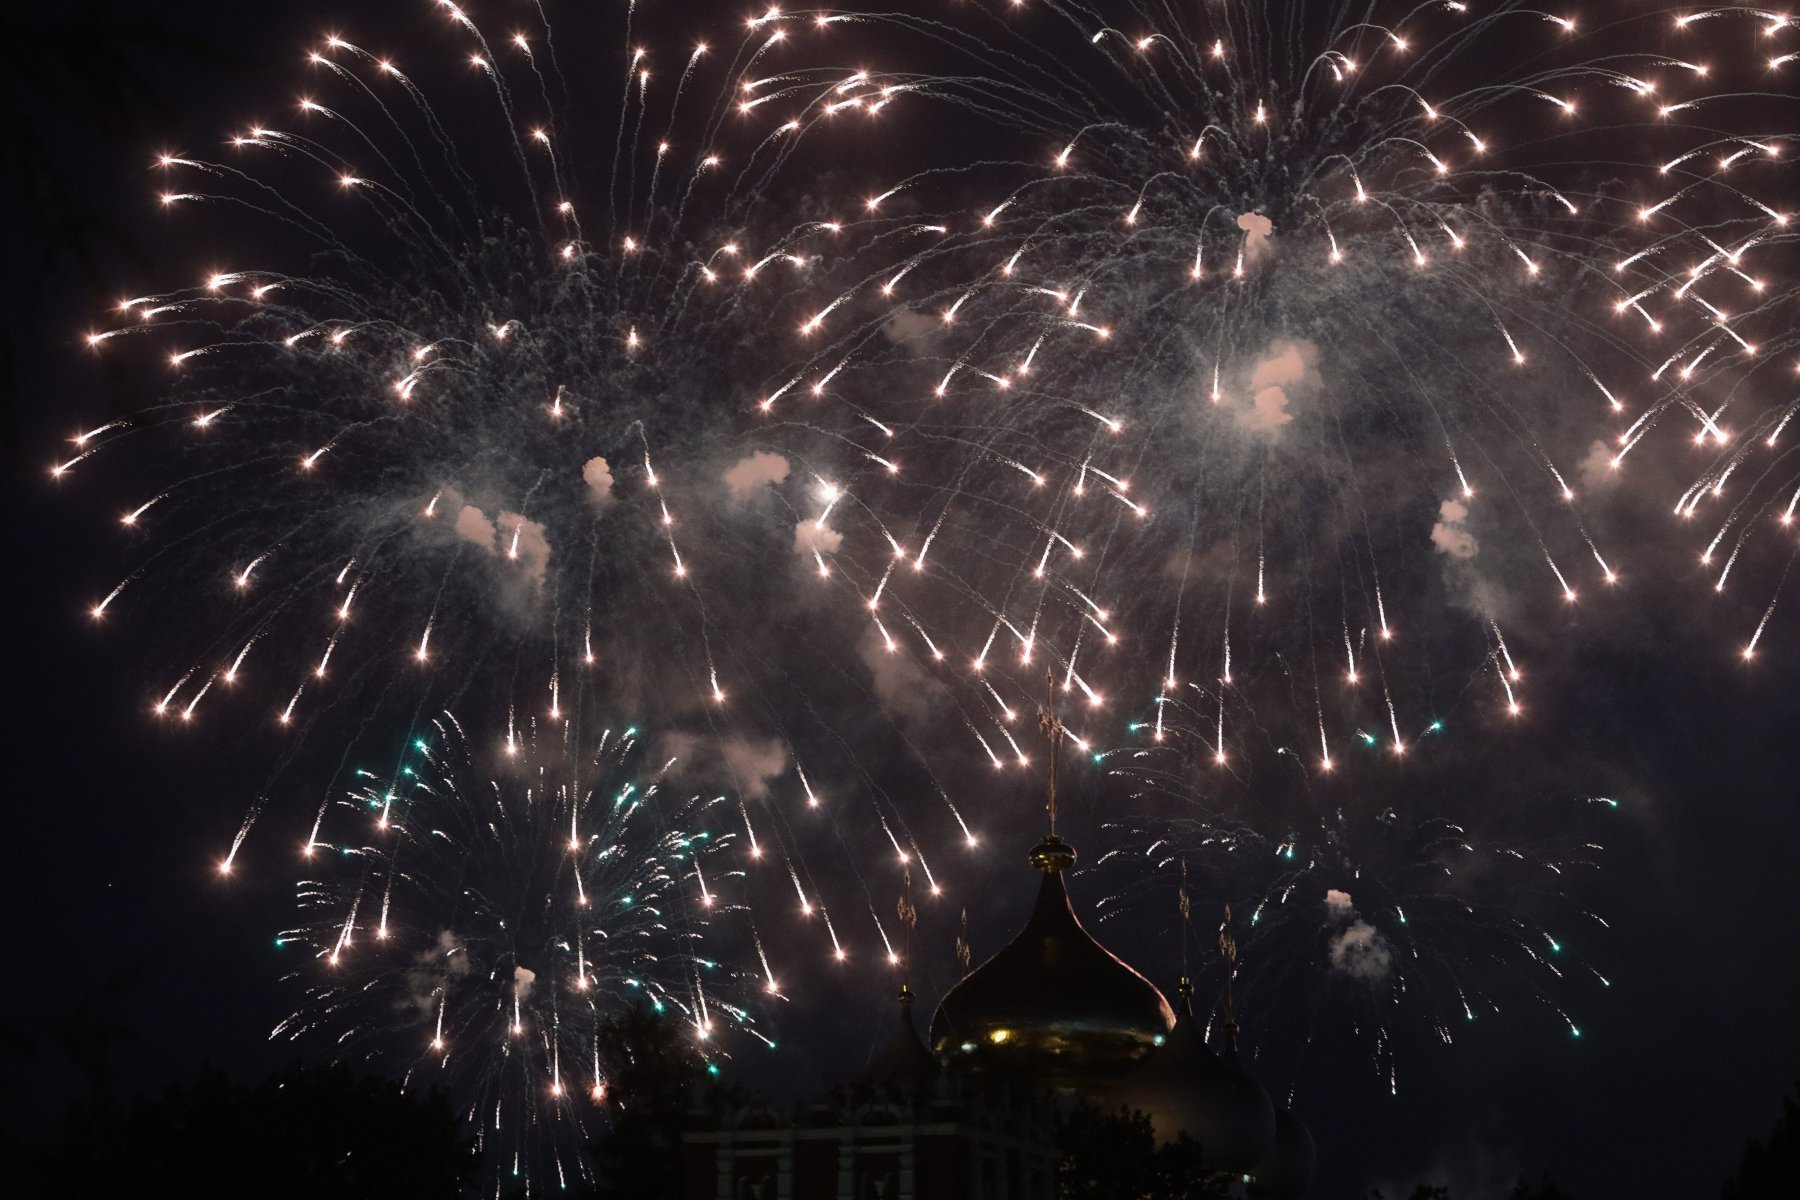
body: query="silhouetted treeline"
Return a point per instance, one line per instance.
(305, 1133)
(1115, 1156)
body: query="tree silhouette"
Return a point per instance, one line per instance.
(1115, 1156)
(1770, 1169)
(654, 1069)
(306, 1133)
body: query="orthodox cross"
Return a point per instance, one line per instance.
(1053, 729)
(1186, 928)
(909, 917)
(1228, 950)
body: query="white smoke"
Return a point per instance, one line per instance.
(597, 473)
(432, 969)
(748, 474)
(811, 537)
(1599, 468)
(510, 535)
(916, 329)
(1338, 905)
(1451, 535)
(1357, 949)
(1288, 371)
(750, 764)
(904, 690)
(1257, 232)
(472, 525)
(522, 540)
(523, 978)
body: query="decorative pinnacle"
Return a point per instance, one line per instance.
(909, 918)
(1052, 854)
(1052, 727)
(1228, 948)
(1186, 926)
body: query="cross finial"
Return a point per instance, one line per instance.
(1052, 727)
(1228, 949)
(909, 917)
(1186, 927)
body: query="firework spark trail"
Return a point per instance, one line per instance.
(1411, 273)
(1338, 300)
(504, 945)
(492, 408)
(1370, 925)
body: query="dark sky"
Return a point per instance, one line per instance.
(130, 957)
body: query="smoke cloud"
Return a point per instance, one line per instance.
(1257, 231)
(523, 978)
(1338, 905)
(902, 688)
(810, 537)
(751, 765)
(1287, 371)
(1450, 535)
(746, 475)
(432, 970)
(597, 473)
(522, 540)
(1597, 469)
(472, 525)
(510, 535)
(916, 329)
(1356, 949)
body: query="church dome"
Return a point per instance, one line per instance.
(1054, 1005)
(1187, 1088)
(903, 1061)
(1286, 1170)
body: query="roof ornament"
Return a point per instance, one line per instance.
(909, 919)
(1052, 854)
(1185, 988)
(1053, 729)
(1228, 949)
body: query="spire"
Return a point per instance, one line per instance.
(963, 951)
(1052, 727)
(909, 918)
(1052, 855)
(1228, 949)
(1185, 987)
(904, 1059)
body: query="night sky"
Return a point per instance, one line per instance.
(132, 961)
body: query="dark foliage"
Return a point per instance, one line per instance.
(1770, 1169)
(1114, 1156)
(655, 1072)
(306, 1133)
(1542, 1188)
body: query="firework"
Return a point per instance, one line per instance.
(479, 917)
(473, 426)
(1224, 350)
(1387, 900)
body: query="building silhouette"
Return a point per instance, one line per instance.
(1051, 1019)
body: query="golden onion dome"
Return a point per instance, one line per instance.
(1287, 1168)
(1054, 1005)
(1188, 1088)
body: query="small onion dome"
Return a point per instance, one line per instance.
(904, 1060)
(1187, 1088)
(1053, 1006)
(1286, 1170)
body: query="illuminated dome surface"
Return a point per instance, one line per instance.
(1187, 1088)
(1054, 1005)
(1287, 1168)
